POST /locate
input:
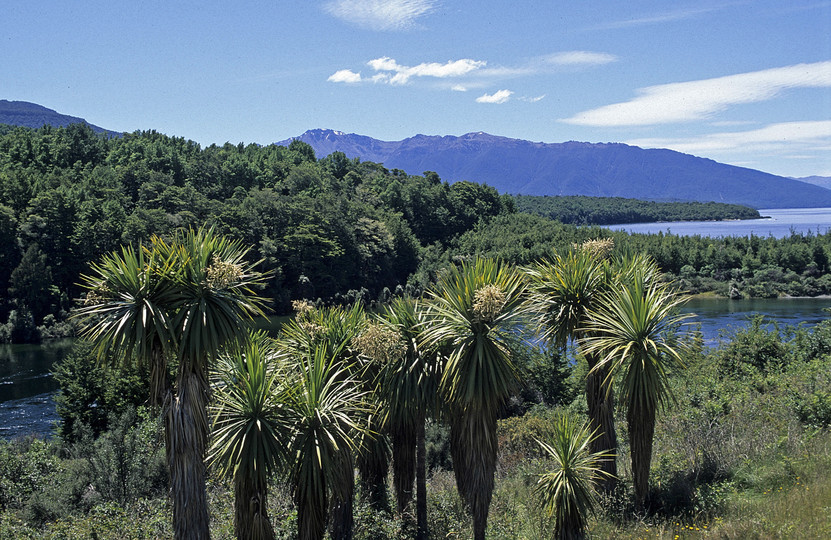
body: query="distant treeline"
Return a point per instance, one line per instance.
(582, 210)
(330, 228)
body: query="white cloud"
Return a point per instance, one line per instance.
(380, 14)
(394, 73)
(578, 58)
(550, 63)
(345, 76)
(459, 88)
(732, 123)
(696, 100)
(785, 136)
(533, 99)
(497, 97)
(383, 64)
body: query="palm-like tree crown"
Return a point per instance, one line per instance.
(409, 384)
(562, 295)
(633, 331)
(567, 490)
(563, 291)
(129, 308)
(189, 297)
(476, 313)
(328, 411)
(251, 429)
(217, 288)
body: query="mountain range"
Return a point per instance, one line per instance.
(23, 113)
(574, 168)
(518, 166)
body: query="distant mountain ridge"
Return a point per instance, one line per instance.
(518, 166)
(574, 168)
(821, 181)
(32, 115)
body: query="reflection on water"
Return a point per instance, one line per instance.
(25, 370)
(26, 388)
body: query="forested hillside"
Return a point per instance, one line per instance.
(324, 227)
(329, 228)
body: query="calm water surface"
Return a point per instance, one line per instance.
(780, 222)
(720, 315)
(27, 388)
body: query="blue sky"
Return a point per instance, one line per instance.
(742, 82)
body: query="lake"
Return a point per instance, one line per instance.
(780, 222)
(26, 385)
(721, 314)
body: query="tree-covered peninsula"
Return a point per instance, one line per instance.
(584, 210)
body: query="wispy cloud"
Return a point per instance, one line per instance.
(792, 137)
(500, 96)
(579, 58)
(380, 14)
(696, 100)
(533, 99)
(658, 18)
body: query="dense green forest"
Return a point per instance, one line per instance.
(583, 210)
(739, 267)
(329, 228)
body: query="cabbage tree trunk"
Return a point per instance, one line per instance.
(187, 437)
(601, 405)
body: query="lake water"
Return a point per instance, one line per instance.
(717, 315)
(780, 222)
(27, 388)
